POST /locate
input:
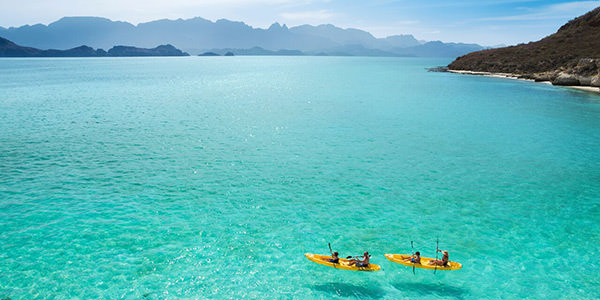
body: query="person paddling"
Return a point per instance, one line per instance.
(443, 262)
(415, 258)
(335, 258)
(334, 255)
(361, 263)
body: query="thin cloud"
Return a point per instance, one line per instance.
(308, 16)
(442, 4)
(408, 22)
(556, 11)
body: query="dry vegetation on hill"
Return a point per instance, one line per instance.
(569, 56)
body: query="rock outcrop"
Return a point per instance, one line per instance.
(208, 54)
(571, 56)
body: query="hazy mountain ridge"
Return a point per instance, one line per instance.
(434, 47)
(199, 35)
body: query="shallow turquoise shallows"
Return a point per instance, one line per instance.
(210, 177)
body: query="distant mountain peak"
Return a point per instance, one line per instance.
(400, 36)
(221, 21)
(83, 18)
(197, 19)
(80, 19)
(277, 26)
(4, 42)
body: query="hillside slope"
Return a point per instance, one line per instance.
(571, 56)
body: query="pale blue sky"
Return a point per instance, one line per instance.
(487, 22)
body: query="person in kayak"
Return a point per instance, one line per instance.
(415, 259)
(335, 258)
(361, 263)
(443, 262)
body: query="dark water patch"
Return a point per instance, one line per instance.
(431, 289)
(350, 290)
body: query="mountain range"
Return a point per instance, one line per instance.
(198, 35)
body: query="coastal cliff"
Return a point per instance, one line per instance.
(571, 56)
(10, 49)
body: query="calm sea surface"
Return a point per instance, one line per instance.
(195, 177)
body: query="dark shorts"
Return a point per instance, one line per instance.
(335, 261)
(361, 265)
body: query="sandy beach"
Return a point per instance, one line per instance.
(514, 76)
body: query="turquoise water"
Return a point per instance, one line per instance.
(194, 177)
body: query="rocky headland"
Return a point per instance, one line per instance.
(569, 57)
(162, 50)
(10, 49)
(209, 54)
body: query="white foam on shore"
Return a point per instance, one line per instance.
(514, 76)
(585, 88)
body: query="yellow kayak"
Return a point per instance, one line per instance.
(344, 264)
(404, 259)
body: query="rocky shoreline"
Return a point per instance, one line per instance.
(584, 72)
(594, 89)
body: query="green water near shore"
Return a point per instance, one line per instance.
(197, 177)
